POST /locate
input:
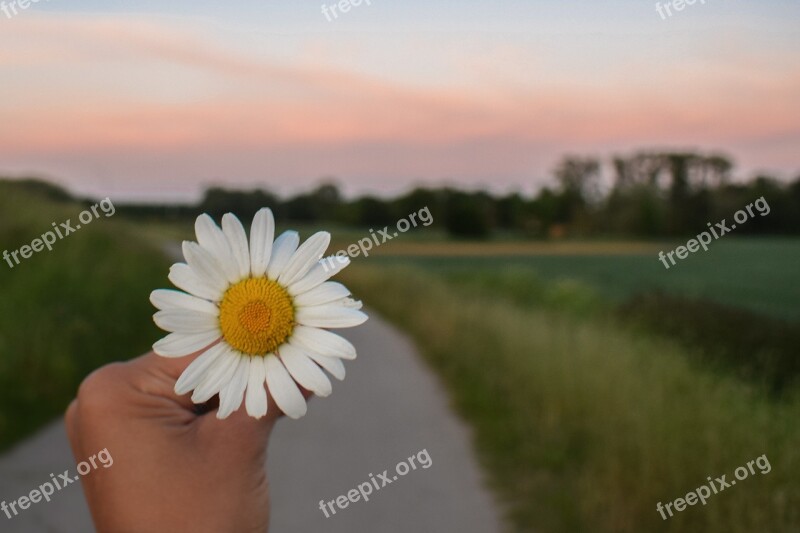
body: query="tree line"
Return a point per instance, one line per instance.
(647, 194)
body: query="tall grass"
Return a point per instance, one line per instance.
(585, 426)
(755, 347)
(67, 311)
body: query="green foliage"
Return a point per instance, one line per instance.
(40, 188)
(66, 311)
(373, 212)
(524, 287)
(755, 347)
(638, 210)
(218, 201)
(510, 211)
(585, 426)
(320, 204)
(469, 215)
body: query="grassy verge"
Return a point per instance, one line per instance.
(758, 348)
(754, 347)
(585, 426)
(66, 311)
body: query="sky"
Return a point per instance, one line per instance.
(154, 101)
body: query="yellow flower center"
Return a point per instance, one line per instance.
(256, 316)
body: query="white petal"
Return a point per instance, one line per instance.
(237, 239)
(282, 251)
(351, 303)
(344, 302)
(183, 321)
(213, 241)
(230, 397)
(204, 265)
(333, 365)
(183, 277)
(283, 389)
(262, 232)
(327, 292)
(209, 236)
(306, 256)
(305, 371)
(180, 344)
(256, 399)
(171, 299)
(330, 316)
(196, 371)
(217, 376)
(321, 272)
(323, 342)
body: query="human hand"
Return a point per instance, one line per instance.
(175, 468)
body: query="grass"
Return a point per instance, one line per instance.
(756, 347)
(66, 311)
(584, 425)
(761, 275)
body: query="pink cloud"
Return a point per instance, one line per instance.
(258, 105)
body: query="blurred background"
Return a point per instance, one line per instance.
(559, 148)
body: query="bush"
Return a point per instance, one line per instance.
(755, 347)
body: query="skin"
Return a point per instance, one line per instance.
(175, 467)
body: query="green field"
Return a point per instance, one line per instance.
(583, 423)
(66, 311)
(762, 275)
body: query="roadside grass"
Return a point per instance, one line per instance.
(754, 347)
(758, 348)
(66, 311)
(525, 287)
(586, 426)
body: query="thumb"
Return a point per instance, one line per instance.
(239, 432)
(241, 429)
(162, 374)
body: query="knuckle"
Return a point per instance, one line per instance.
(100, 385)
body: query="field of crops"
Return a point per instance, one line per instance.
(762, 275)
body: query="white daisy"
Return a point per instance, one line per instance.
(258, 312)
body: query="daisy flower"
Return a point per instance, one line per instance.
(260, 312)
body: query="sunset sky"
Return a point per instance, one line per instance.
(156, 100)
